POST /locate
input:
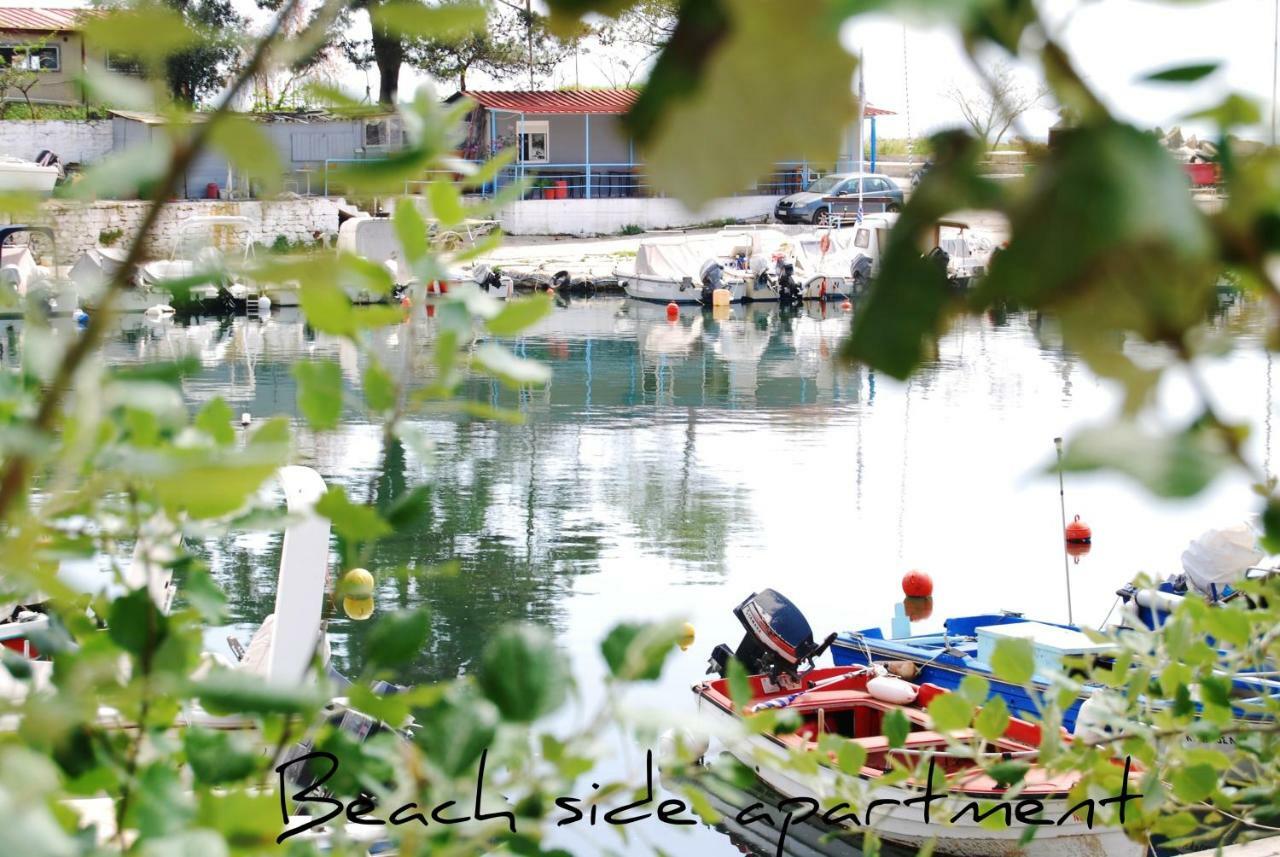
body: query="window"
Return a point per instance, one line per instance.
(122, 64)
(862, 239)
(382, 133)
(33, 57)
(532, 142)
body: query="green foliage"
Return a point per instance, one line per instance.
(523, 673)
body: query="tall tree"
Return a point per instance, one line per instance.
(991, 110)
(202, 70)
(500, 50)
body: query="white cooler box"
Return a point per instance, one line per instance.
(1049, 643)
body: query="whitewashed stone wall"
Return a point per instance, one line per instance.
(608, 216)
(73, 141)
(79, 225)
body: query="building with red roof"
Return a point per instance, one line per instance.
(51, 43)
(571, 143)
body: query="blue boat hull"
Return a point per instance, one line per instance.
(946, 670)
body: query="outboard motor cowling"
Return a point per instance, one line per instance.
(790, 292)
(710, 273)
(778, 638)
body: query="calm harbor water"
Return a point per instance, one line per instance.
(674, 468)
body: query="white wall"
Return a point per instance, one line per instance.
(73, 141)
(609, 216)
(79, 225)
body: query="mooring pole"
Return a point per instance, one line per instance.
(1066, 560)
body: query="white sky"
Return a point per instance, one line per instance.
(1114, 42)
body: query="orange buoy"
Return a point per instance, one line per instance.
(405, 302)
(1078, 532)
(917, 584)
(673, 310)
(846, 306)
(917, 609)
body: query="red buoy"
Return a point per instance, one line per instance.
(846, 306)
(405, 302)
(1078, 532)
(917, 584)
(673, 310)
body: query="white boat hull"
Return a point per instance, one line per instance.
(662, 290)
(27, 176)
(906, 826)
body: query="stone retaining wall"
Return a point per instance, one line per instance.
(80, 226)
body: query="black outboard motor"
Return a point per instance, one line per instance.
(778, 638)
(860, 272)
(711, 273)
(790, 292)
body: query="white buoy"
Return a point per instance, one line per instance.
(245, 419)
(264, 305)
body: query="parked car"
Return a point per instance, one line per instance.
(841, 191)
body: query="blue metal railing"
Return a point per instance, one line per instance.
(583, 180)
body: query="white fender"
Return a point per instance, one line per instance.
(887, 688)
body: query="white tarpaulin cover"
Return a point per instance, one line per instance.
(677, 257)
(1221, 557)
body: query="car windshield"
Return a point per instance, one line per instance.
(826, 184)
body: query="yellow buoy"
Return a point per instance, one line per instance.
(720, 297)
(358, 609)
(685, 640)
(356, 583)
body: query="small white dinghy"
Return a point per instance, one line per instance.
(19, 175)
(28, 273)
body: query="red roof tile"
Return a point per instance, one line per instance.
(607, 101)
(557, 101)
(26, 18)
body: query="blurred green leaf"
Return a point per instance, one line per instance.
(146, 31)
(739, 683)
(214, 419)
(508, 368)
(1178, 465)
(695, 93)
(950, 712)
(446, 203)
(411, 229)
(248, 148)
(993, 718)
(519, 313)
(398, 638)
(1009, 773)
(379, 387)
(228, 692)
(136, 624)
(319, 392)
(352, 521)
(1234, 110)
(1013, 661)
(637, 651)
(851, 757)
(446, 21)
(1195, 782)
(218, 757)
(1183, 73)
(523, 673)
(455, 730)
(896, 727)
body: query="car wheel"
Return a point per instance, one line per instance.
(821, 217)
(893, 208)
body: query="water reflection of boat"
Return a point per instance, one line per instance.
(804, 838)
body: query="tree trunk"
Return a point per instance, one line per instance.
(388, 55)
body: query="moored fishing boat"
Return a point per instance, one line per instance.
(845, 703)
(17, 174)
(853, 705)
(29, 273)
